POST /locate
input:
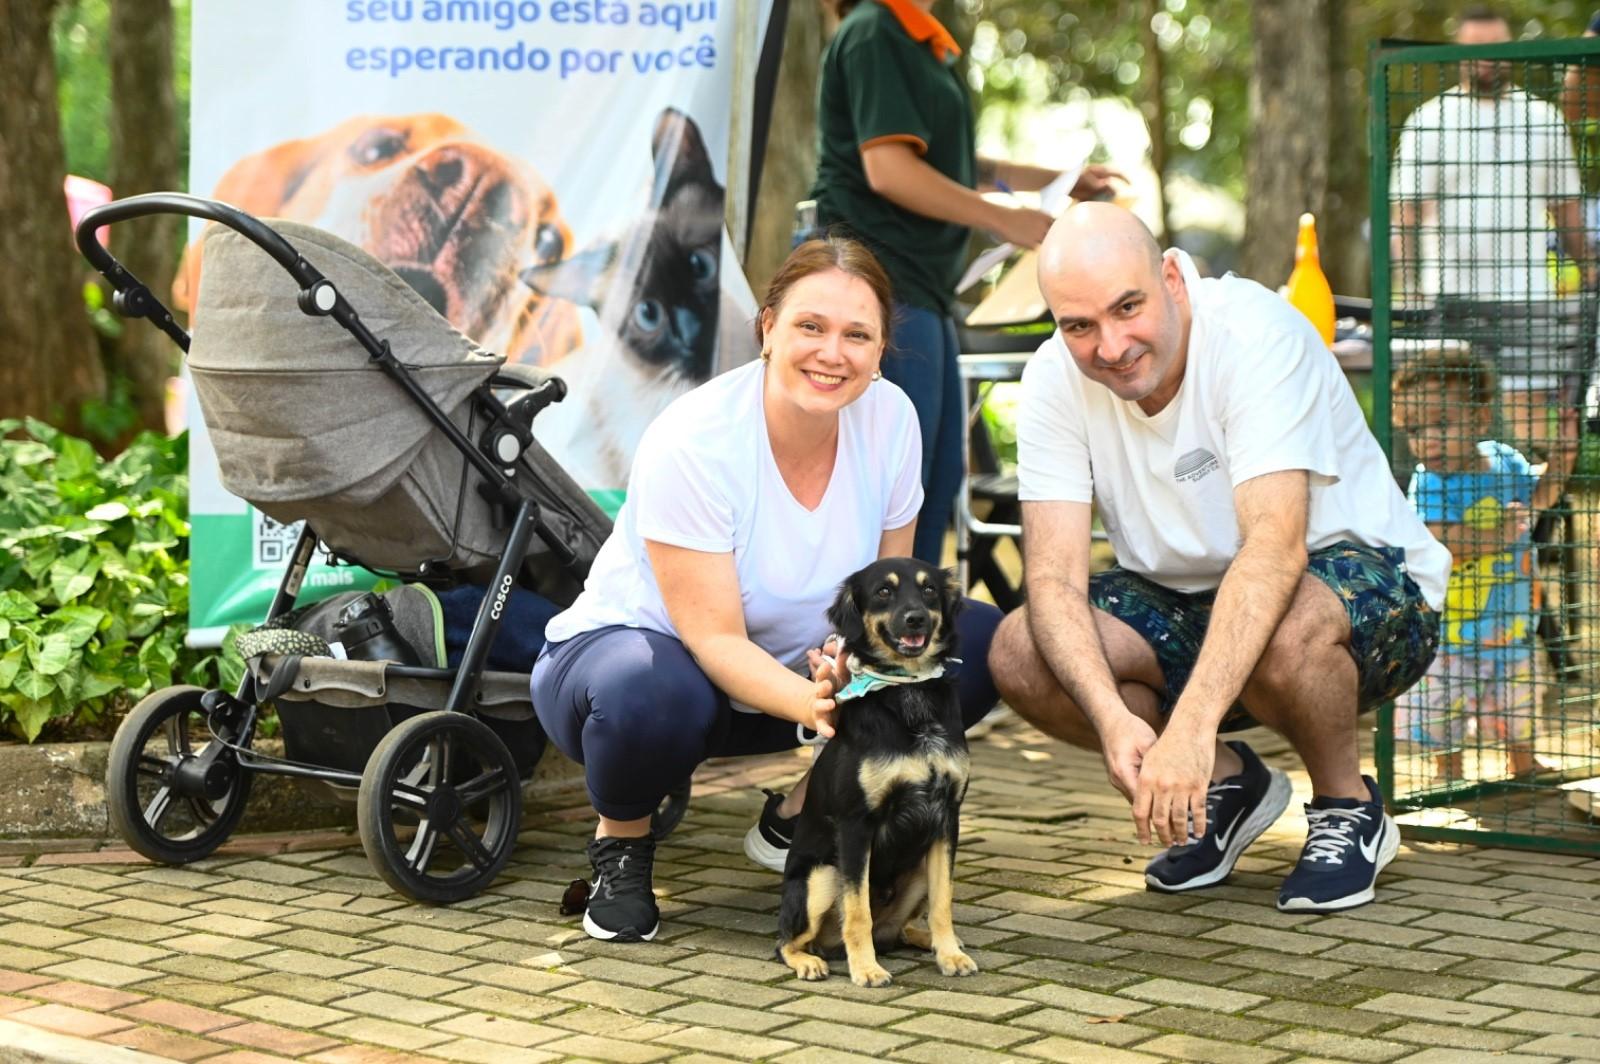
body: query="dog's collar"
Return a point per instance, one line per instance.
(864, 681)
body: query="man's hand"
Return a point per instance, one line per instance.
(1095, 180)
(1172, 786)
(1123, 745)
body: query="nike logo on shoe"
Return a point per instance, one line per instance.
(1370, 850)
(1223, 838)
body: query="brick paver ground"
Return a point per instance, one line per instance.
(291, 949)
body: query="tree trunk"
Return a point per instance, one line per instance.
(791, 159)
(49, 363)
(1286, 172)
(144, 158)
(1154, 107)
(1346, 256)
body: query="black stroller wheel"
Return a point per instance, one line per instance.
(439, 807)
(164, 818)
(670, 812)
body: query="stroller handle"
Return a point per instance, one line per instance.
(133, 299)
(318, 298)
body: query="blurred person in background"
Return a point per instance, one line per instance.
(898, 169)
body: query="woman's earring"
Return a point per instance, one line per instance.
(766, 354)
(877, 375)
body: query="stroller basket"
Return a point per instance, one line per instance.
(336, 712)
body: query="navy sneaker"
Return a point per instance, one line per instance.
(767, 841)
(622, 899)
(1238, 810)
(1347, 844)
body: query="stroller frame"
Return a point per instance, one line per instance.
(215, 781)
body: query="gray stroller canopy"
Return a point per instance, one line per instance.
(307, 427)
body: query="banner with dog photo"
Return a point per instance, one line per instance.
(548, 174)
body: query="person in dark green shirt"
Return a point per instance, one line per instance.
(898, 169)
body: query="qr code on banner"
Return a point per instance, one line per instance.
(271, 541)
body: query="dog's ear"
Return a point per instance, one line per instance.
(952, 598)
(951, 594)
(581, 279)
(845, 615)
(679, 153)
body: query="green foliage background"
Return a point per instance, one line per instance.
(1053, 51)
(94, 577)
(83, 83)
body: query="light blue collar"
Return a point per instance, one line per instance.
(864, 681)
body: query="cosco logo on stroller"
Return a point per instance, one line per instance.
(500, 599)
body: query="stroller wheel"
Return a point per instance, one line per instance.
(670, 811)
(173, 791)
(439, 807)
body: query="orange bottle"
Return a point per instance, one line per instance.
(1308, 287)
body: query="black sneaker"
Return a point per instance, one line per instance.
(1238, 810)
(622, 905)
(767, 841)
(1348, 842)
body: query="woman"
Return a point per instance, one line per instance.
(897, 167)
(751, 499)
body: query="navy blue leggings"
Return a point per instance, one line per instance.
(922, 360)
(634, 709)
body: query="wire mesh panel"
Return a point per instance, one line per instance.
(1484, 218)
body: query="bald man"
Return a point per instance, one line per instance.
(1268, 568)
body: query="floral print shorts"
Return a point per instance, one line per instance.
(1393, 630)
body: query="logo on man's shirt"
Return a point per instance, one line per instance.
(1195, 465)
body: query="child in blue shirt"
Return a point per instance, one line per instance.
(1477, 496)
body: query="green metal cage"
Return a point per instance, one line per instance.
(1486, 162)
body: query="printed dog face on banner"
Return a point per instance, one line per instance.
(656, 289)
(453, 216)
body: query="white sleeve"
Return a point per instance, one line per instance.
(1275, 412)
(1416, 159)
(1052, 444)
(905, 473)
(679, 496)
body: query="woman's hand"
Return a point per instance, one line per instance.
(1096, 181)
(830, 672)
(1022, 226)
(833, 656)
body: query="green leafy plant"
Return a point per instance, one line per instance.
(94, 576)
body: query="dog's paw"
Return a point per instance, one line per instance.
(870, 975)
(916, 937)
(956, 963)
(810, 967)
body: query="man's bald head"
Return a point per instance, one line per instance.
(1122, 308)
(1096, 239)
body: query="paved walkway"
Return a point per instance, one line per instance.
(283, 949)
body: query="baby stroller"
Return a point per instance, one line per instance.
(406, 449)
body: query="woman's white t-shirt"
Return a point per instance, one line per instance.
(704, 478)
(1261, 393)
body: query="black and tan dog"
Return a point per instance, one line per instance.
(876, 841)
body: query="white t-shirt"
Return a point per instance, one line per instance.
(1261, 393)
(704, 478)
(1494, 165)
